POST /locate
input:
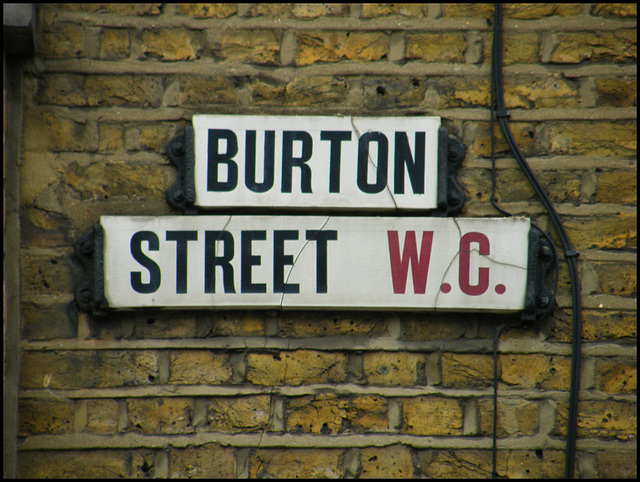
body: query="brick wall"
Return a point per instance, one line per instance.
(325, 393)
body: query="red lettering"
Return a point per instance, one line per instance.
(465, 256)
(419, 265)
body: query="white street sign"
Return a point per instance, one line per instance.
(383, 163)
(340, 262)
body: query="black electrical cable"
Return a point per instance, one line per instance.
(570, 253)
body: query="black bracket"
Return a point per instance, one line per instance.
(182, 193)
(539, 298)
(90, 292)
(451, 197)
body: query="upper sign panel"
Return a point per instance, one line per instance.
(383, 163)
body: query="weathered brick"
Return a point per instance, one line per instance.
(104, 180)
(335, 46)
(116, 8)
(110, 138)
(617, 92)
(331, 414)
(267, 90)
(304, 11)
(64, 41)
(46, 274)
(165, 324)
(604, 419)
(207, 461)
(59, 89)
(387, 92)
(433, 326)
(45, 416)
(536, 371)
(170, 44)
(432, 416)
(386, 462)
(49, 132)
(457, 463)
(123, 90)
(250, 46)
(614, 231)
(89, 464)
(372, 10)
(160, 415)
(44, 229)
(152, 138)
(615, 10)
(466, 370)
(394, 368)
(238, 414)
(515, 417)
(300, 463)
(46, 321)
(537, 464)
(296, 368)
(526, 135)
(102, 416)
(619, 187)
(114, 44)
(617, 278)
(316, 91)
(576, 47)
(199, 367)
(305, 324)
(229, 323)
(207, 10)
(617, 465)
(198, 90)
(94, 369)
(516, 10)
(437, 47)
(617, 376)
(596, 138)
(596, 325)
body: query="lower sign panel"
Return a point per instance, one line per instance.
(316, 262)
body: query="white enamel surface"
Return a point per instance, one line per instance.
(350, 196)
(359, 273)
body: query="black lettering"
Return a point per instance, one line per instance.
(280, 260)
(154, 270)
(336, 138)
(289, 162)
(250, 164)
(215, 158)
(211, 260)
(415, 164)
(248, 261)
(181, 238)
(321, 237)
(381, 166)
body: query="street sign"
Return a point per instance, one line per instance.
(330, 262)
(366, 163)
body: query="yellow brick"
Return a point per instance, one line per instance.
(335, 46)
(466, 370)
(199, 367)
(45, 417)
(437, 47)
(328, 413)
(207, 461)
(251, 46)
(386, 462)
(296, 368)
(432, 416)
(393, 368)
(239, 414)
(536, 371)
(170, 44)
(160, 415)
(617, 376)
(295, 463)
